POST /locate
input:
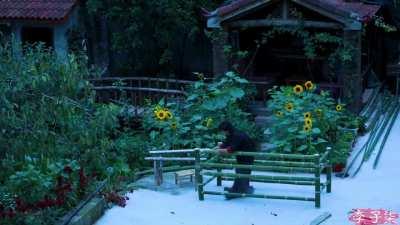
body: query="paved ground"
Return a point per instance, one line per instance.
(176, 206)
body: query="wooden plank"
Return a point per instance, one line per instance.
(282, 22)
(245, 9)
(285, 10)
(310, 4)
(141, 79)
(321, 218)
(185, 173)
(156, 90)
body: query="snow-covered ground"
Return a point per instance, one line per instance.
(376, 189)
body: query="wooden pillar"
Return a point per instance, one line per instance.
(351, 77)
(220, 61)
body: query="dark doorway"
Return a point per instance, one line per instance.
(34, 35)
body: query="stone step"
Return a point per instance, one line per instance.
(256, 104)
(261, 111)
(264, 121)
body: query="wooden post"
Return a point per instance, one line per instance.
(198, 176)
(158, 176)
(329, 171)
(220, 61)
(219, 170)
(352, 80)
(317, 182)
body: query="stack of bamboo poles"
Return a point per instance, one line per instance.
(287, 164)
(381, 122)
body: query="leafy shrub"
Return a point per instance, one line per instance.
(194, 124)
(305, 120)
(49, 121)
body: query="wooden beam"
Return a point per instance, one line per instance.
(280, 22)
(285, 10)
(325, 12)
(245, 9)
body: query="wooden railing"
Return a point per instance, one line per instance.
(138, 90)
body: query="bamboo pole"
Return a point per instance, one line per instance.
(329, 179)
(380, 131)
(277, 163)
(209, 180)
(293, 182)
(172, 158)
(257, 167)
(219, 170)
(261, 196)
(199, 176)
(364, 148)
(276, 155)
(393, 120)
(321, 218)
(317, 185)
(266, 177)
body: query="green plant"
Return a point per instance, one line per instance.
(194, 124)
(341, 149)
(49, 121)
(305, 120)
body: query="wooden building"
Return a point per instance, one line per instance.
(282, 59)
(39, 21)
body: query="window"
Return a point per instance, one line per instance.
(34, 35)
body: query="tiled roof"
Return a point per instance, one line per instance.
(341, 6)
(47, 10)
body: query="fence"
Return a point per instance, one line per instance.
(285, 164)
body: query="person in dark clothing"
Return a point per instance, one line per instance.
(237, 141)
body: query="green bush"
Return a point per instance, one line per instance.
(194, 122)
(49, 124)
(305, 121)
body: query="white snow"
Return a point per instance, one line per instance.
(369, 189)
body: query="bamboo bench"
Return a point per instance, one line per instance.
(160, 156)
(184, 173)
(291, 169)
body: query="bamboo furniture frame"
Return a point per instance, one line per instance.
(289, 165)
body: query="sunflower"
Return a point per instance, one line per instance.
(308, 122)
(289, 106)
(298, 89)
(309, 85)
(161, 114)
(307, 128)
(279, 114)
(174, 126)
(307, 115)
(339, 108)
(168, 114)
(209, 122)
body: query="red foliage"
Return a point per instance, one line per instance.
(115, 198)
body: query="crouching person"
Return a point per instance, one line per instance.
(237, 141)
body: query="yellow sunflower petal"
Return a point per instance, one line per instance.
(309, 85)
(307, 128)
(298, 89)
(308, 122)
(161, 115)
